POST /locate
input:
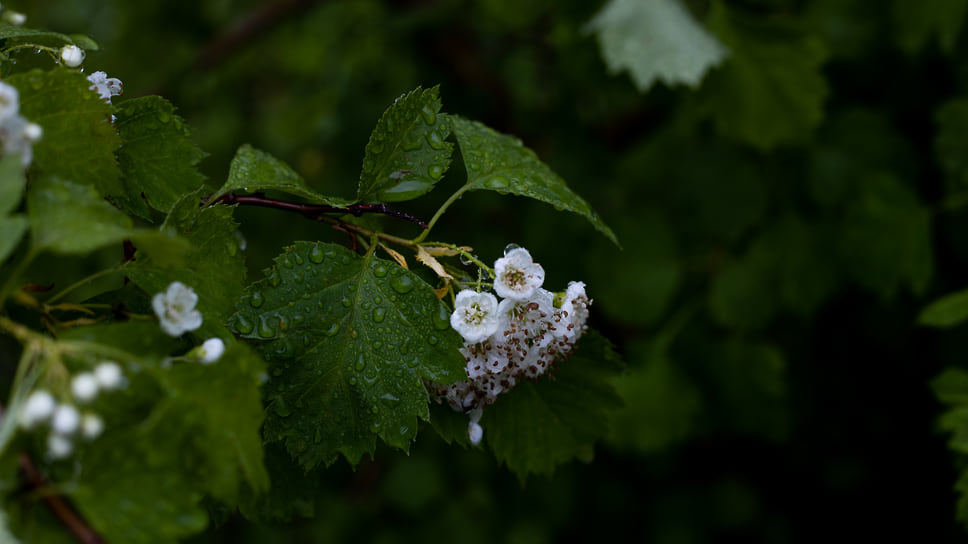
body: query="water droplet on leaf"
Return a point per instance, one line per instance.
(380, 271)
(243, 324)
(429, 115)
(316, 254)
(379, 314)
(256, 299)
(441, 319)
(402, 284)
(332, 330)
(266, 329)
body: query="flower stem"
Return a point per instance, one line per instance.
(83, 281)
(440, 211)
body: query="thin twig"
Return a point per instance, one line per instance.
(82, 532)
(314, 211)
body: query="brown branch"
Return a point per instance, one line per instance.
(314, 211)
(79, 528)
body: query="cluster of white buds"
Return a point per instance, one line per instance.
(64, 419)
(16, 133)
(106, 87)
(520, 337)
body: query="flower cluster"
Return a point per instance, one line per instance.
(64, 420)
(106, 87)
(520, 337)
(17, 135)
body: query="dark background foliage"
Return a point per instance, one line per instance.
(782, 227)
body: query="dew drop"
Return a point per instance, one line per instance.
(436, 171)
(265, 327)
(465, 260)
(274, 279)
(286, 262)
(298, 258)
(402, 284)
(509, 248)
(380, 271)
(404, 430)
(256, 299)
(281, 408)
(164, 116)
(432, 340)
(435, 141)
(379, 314)
(346, 302)
(283, 323)
(360, 364)
(354, 335)
(496, 182)
(377, 299)
(404, 349)
(332, 330)
(243, 324)
(374, 409)
(375, 427)
(316, 254)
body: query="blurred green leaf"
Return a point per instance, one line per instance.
(66, 217)
(12, 227)
(916, 22)
(501, 163)
(19, 34)
(886, 237)
(254, 170)
(951, 142)
(771, 90)
(349, 340)
(538, 426)
(655, 40)
(407, 153)
(157, 156)
(79, 141)
(947, 311)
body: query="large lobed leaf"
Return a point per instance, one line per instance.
(255, 170)
(157, 155)
(655, 40)
(407, 153)
(79, 141)
(498, 162)
(349, 340)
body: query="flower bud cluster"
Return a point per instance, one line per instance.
(520, 337)
(64, 420)
(17, 135)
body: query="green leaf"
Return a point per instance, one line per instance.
(157, 155)
(655, 40)
(70, 218)
(79, 141)
(214, 267)
(742, 294)
(407, 153)
(12, 229)
(223, 415)
(916, 22)
(349, 340)
(44, 37)
(951, 142)
(498, 162)
(254, 170)
(12, 182)
(539, 426)
(947, 311)
(133, 493)
(771, 89)
(292, 493)
(886, 237)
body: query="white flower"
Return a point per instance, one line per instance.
(108, 375)
(475, 433)
(211, 350)
(91, 426)
(517, 275)
(66, 419)
(33, 132)
(106, 87)
(84, 386)
(176, 309)
(72, 55)
(38, 407)
(475, 315)
(9, 102)
(59, 446)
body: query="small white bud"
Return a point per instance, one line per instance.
(72, 56)
(33, 132)
(475, 433)
(59, 446)
(84, 386)
(108, 375)
(91, 426)
(211, 350)
(66, 419)
(15, 18)
(38, 407)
